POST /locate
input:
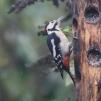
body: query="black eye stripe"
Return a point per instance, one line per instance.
(54, 27)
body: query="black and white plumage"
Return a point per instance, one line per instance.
(59, 46)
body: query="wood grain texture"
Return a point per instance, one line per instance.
(88, 34)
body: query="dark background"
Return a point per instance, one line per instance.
(25, 74)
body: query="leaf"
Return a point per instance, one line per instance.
(68, 29)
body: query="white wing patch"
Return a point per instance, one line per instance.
(53, 45)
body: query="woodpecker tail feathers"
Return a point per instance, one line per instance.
(61, 72)
(71, 75)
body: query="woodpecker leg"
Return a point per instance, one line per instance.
(71, 76)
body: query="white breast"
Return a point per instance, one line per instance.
(64, 44)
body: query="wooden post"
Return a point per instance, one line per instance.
(87, 49)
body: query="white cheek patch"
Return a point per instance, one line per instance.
(53, 46)
(50, 25)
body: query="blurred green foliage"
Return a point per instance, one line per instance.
(20, 47)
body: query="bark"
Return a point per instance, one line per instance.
(87, 49)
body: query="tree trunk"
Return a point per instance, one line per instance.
(87, 49)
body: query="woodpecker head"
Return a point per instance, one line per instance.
(53, 25)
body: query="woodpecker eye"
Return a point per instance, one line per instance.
(52, 22)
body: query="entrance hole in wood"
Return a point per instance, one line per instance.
(94, 57)
(92, 14)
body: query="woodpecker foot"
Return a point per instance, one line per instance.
(76, 79)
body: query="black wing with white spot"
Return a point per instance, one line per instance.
(53, 45)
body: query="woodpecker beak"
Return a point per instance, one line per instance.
(60, 19)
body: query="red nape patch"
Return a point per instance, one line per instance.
(66, 61)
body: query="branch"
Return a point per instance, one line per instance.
(19, 5)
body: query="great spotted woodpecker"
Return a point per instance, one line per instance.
(59, 46)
